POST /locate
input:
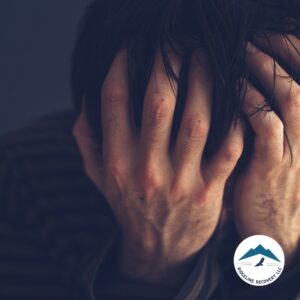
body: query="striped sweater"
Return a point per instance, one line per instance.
(58, 236)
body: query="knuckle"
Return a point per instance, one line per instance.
(149, 180)
(273, 127)
(159, 107)
(113, 95)
(179, 190)
(114, 167)
(195, 129)
(232, 152)
(265, 62)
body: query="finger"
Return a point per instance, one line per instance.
(224, 161)
(286, 91)
(269, 130)
(116, 123)
(89, 147)
(158, 111)
(286, 47)
(196, 117)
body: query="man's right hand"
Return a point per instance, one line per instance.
(166, 201)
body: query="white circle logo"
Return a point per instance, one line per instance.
(259, 260)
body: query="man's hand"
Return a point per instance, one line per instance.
(267, 196)
(166, 201)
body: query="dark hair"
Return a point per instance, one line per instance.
(220, 27)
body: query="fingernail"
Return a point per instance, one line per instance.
(251, 49)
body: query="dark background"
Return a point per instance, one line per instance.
(36, 40)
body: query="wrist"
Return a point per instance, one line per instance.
(152, 268)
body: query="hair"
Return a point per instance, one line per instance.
(220, 27)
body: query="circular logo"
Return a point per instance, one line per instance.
(259, 260)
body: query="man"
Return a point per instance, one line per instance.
(145, 221)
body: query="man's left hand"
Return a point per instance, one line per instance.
(267, 195)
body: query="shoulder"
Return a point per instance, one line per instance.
(40, 134)
(47, 200)
(41, 163)
(42, 151)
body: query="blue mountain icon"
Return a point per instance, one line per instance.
(259, 250)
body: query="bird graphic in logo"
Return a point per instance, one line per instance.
(260, 263)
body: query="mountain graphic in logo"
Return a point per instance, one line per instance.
(259, 250)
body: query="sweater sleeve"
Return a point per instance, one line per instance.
(25, 270)
(200, 284)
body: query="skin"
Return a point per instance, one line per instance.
(267, 195)
(150, 187)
